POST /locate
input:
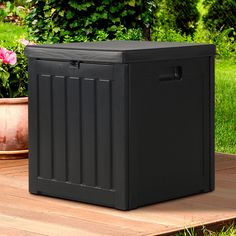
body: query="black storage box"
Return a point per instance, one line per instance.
(121, 123)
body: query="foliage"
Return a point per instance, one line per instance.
(169, 35)
(224, 40)
(10, 12)
(123, 33)
(87, 20)
(16, 2)
(228, 230)
(9, 38)
(177, 15)
(221, 15)
(225, 43)
(17, 83)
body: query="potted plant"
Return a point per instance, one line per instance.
(13, 103)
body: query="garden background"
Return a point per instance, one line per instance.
(51, 21)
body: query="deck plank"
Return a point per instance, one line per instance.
(22, 213)
(6, 231)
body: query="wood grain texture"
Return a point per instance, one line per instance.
(25, 214)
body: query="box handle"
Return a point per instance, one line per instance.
(175, 75)
(75, 64)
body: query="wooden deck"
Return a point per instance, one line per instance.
(24, 214)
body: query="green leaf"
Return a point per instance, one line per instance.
(4, 76)
(61, 13)
(74, 4)
(69, 15)
(131, 3)
(113, 28)
(115, 20)
(56, 29)
(95, 20)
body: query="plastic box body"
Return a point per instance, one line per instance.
(121, 123)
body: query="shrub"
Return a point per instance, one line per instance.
(11, 12)
(123, 33)
(179, 15)
(221, 15)
(168, 34)
(225, 44)
(223, 39)
(66, 21)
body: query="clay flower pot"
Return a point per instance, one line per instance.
(13, 128)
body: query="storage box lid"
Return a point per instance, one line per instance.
(119, 51)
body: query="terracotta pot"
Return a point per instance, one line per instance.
(13, 128)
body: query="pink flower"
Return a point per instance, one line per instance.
(7, 57)
(26, 42)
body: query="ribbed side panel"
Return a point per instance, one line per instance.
(59, 128)
(89, 139)
(45, 126)
(104, 134)
(75, 171)
(75, 123)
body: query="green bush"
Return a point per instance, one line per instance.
(123, 33)
(17, 2)
(66, 21)
(12, 12)
(221, 14)
(169, 35)
(178, 15)
(224, 40)
(225, 43)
